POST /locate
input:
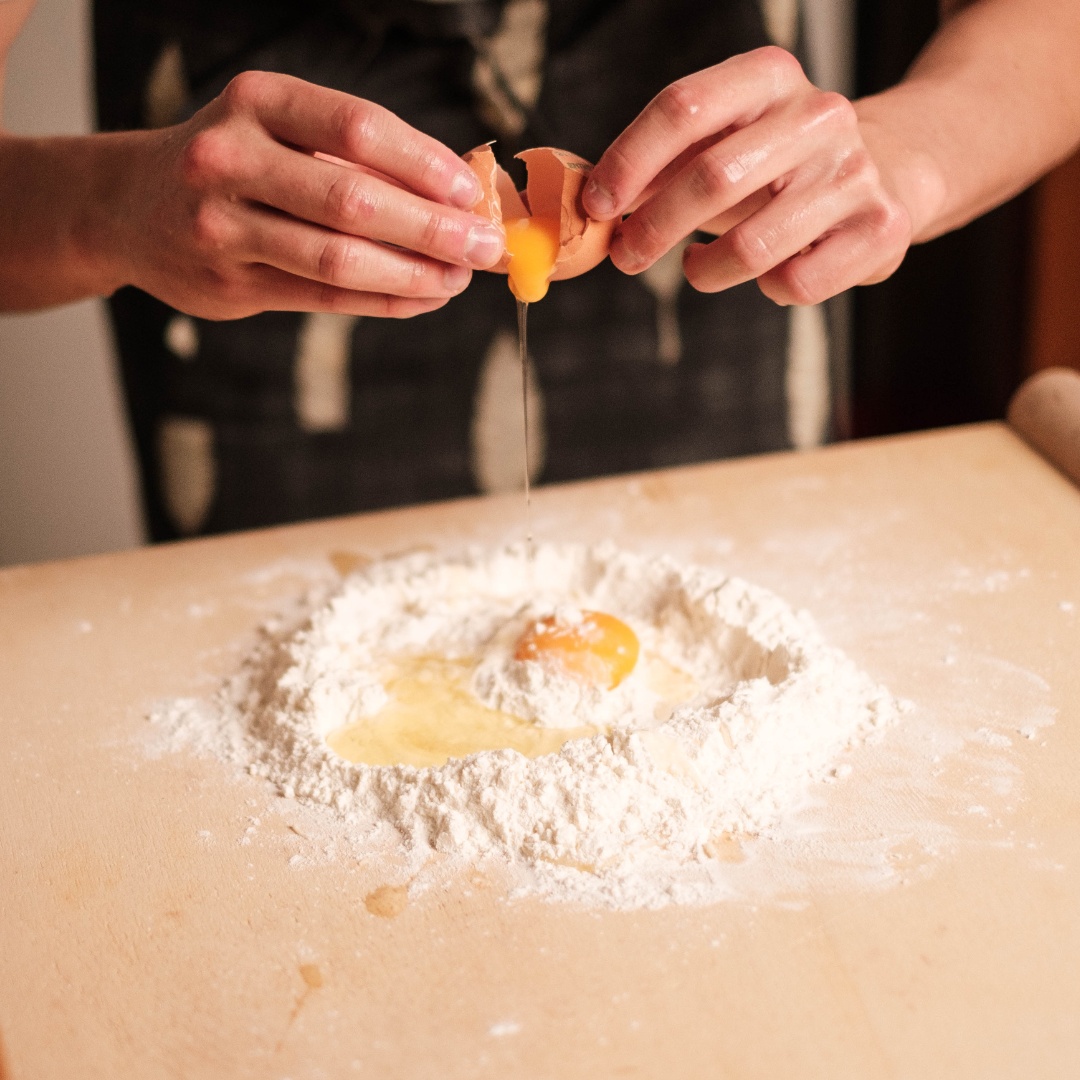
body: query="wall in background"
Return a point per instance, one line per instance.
(1053, 337)
(67, 480)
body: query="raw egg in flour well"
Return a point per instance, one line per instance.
(549, 236)
(432, 713)
(597, 648)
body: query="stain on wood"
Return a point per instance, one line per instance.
(345, 562)
(387, 901)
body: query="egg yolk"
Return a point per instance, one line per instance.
(599, 649)
(533, 245)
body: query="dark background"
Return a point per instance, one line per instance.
(941, 341)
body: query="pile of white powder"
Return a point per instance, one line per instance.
(630, 817)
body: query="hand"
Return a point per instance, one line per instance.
(282, 195)
(750, 150)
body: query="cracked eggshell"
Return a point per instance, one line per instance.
(555, 182)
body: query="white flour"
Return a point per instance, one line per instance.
(629, 818)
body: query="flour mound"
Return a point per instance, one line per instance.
(627, 818)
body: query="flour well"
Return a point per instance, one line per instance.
(735, 706)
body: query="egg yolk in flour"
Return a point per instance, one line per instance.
(533, 244)
(599, 649)
(432, 714)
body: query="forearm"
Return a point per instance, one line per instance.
(992, 102)
(60, 238)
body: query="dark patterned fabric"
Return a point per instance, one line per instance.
(611, 405)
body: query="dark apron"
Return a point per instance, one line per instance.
(611, 404)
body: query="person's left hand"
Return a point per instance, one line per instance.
(751, 150)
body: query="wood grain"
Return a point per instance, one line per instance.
(4, 1074)
(164, 917)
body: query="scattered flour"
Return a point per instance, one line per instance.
(628, 818)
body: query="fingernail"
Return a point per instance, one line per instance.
(483, 245)
(598, 200)
(464, 190)
(457, 277)
(622, 256)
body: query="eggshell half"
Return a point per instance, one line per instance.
(497, 190)
(555, 182)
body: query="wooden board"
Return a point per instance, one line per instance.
(149, 927)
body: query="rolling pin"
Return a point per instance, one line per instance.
(1045, 411)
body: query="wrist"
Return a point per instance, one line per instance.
(55, 236)
(909, 173)
(105, 215)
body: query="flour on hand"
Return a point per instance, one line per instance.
(735, 706)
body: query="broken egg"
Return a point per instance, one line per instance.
(597, 649)
(549, 237)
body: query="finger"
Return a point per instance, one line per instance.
(727, 221)
(864, 250)
(695, 107)
(346, 262)
(795, 218)
(358, 168)
(732, 170)
(278, 290)
(317, 118)
(353, 201)
(671, 170)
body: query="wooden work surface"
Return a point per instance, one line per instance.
(149, 928)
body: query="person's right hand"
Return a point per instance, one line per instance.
(232, 212)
